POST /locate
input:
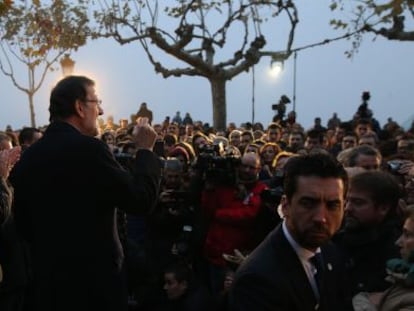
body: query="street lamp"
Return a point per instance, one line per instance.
(276, 67)
(67, 65)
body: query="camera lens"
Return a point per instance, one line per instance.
(394, 166)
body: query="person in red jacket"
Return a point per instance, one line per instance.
(231, 211)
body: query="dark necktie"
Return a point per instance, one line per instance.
(317, 262)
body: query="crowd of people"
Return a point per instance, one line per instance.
(178, 215)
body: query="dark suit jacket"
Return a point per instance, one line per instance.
(67, 188)
(273, 278)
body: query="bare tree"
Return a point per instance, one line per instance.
(388, 19)
(197, 34)
(36, 35)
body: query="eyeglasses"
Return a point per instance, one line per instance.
(96, 101)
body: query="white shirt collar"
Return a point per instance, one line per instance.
(303, 253)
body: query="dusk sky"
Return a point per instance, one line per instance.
(327, 81)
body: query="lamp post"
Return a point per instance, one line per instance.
(67, 65)
(294, 81)
(253, 92)
(276, 67)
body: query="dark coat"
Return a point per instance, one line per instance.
(196, 298)
(67, 188)
(13, 255)
(273, 278)
(366, 253)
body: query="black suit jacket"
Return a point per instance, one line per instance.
(67, 188)
(273, 278)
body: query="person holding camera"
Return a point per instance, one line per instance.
(231, 212)
(168, 230)
(401, 166)
(173, 212)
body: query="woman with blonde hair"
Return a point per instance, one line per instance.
(267, 154)
(280, 160)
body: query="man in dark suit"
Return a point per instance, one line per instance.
(280, 273)
(68, 187)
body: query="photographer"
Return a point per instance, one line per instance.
(401, 165)
(270, 215)
(167, 227)
(231, 211)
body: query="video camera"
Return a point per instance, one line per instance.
(217, 168)
(273, 195)
(184, 243)
(394, 166)
(178, 200)
(281, 104)
(126, 159)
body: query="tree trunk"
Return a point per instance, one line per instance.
(30, 93)
(32, 111)
(218, 94)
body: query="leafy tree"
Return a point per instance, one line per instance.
(4, 6)
(197, 34)
(388, 19)
(37, 35)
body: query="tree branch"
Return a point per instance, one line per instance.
(160, 42)
(396, 32)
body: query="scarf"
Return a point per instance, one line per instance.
(401, 270)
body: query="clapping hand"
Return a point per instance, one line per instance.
(144, 135)
(236, 258)
(407, 167)
(8, 159)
